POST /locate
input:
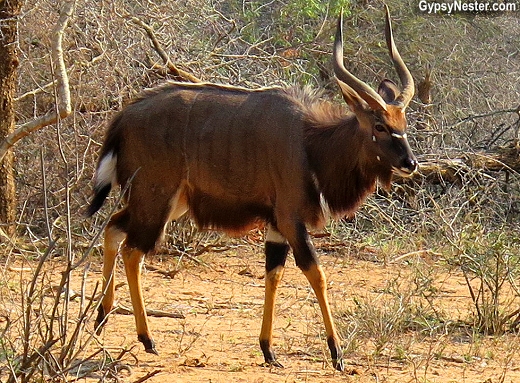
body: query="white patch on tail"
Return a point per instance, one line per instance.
(106, 171)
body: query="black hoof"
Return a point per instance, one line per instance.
(336, 353)
(149, 344)
(269, 355)
(151, 351)
(272, 363)
(338, 364)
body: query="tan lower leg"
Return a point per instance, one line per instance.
(318, 281)
(113, 238)
(133, 259)
(272, 280)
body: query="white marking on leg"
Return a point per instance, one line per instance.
(106, 171)
(274, 235)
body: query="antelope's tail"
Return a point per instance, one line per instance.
(104, 179)
(106, 171)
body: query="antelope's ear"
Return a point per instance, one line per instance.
(353, 100)
(388, 90)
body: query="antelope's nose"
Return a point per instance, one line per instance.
(410, 165)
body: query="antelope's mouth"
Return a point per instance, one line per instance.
(404, 172)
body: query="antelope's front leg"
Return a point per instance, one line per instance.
(307, 261)
(276, 249)
(133, 259)
(318, 282)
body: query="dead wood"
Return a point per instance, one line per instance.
(167, 273)
(148, 376)
(150, 312)
(452, 170)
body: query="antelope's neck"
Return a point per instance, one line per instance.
(336, 158)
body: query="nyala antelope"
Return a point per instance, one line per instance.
(230, 157)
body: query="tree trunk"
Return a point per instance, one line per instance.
(9, 11)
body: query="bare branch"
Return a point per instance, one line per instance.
(489, 114)
(63, 107)
(36, 91)
(179, 74)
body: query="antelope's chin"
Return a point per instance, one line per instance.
(403, 172)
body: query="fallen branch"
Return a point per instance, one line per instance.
(150, 312)
(147, 376)
(452, 170)
(166, 273)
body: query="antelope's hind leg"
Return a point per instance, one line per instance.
(276, 249)
(133, 259)
(114, 235)
(143, 224)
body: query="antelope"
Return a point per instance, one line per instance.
(231, 157)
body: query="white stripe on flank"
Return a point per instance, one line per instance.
(106, 171)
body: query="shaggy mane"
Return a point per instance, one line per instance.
(319, 111)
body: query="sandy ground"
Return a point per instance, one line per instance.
(222, 302)
(222, 299)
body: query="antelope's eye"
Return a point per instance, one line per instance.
(380, 128)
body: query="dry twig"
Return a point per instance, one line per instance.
(179, 74)
(150, 312)
(147, 376)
